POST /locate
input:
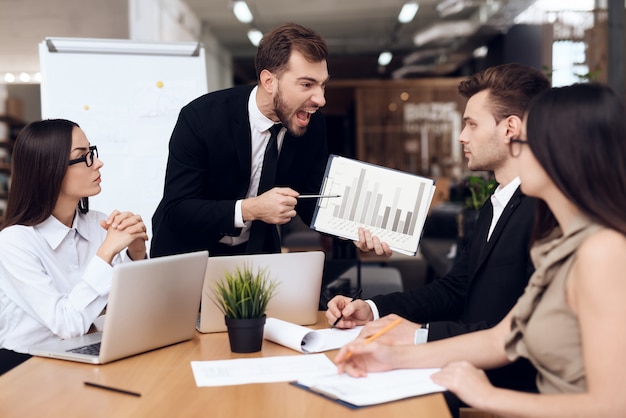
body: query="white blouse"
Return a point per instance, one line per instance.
(52, 285)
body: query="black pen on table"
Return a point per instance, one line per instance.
(112, 389)
(355, 297)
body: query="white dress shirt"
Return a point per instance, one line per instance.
(52, 285)
(259, 128)
(499, 199)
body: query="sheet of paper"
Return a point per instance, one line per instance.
(260, 370)
(307, 340)
(375, 388)
(392, 204)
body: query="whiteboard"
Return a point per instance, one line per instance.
(126, 96)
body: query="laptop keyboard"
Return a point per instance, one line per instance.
(91, 349)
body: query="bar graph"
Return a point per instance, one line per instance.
(392, 204)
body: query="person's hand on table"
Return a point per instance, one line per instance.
(467, 382)
(355, 312)
(358, 358)
(400, 334)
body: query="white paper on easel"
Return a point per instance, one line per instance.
(307, 340)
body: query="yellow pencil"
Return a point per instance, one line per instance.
(376, 335)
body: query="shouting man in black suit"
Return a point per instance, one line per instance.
(494, 267)
(231, 148)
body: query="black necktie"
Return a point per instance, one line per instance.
(270, 160)
(264, 237)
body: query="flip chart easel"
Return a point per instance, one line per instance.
(126, 96)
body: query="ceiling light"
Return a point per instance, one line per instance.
(22, 78)
(255, 36)
(408, 12)
(561, 5)
(242, 12)
(384, 58)
(480, 52)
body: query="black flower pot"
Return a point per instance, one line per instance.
(245, 335)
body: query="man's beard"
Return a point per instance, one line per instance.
(282, 111)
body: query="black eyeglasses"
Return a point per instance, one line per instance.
(87, 158)
(515, 146)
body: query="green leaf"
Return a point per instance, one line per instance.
(244, 293)
(480, 190)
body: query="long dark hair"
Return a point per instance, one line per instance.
(39, 163)
(276, 46)
(577, 135)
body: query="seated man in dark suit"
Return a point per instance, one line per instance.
(494, 267)
(231, 148)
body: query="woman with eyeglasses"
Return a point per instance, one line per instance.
(569, 321)
(56, 255)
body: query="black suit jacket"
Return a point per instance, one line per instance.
(480, 288)
(208, 170)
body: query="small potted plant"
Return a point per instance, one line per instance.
(243, 297)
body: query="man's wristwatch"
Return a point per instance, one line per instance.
(421, 335)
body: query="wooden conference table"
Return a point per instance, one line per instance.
(44, 387)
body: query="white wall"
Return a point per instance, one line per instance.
(219, 62)
(24, 24)
(172, 20)
(162, 20)
(30, 96)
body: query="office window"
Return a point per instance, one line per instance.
(568, 63)
(571, 21)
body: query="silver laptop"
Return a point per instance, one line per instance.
(153, 303)
(297, 295)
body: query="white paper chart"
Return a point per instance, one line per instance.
(392, 204)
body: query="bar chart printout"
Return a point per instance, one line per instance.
(392, 204)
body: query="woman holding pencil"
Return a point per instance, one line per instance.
(567, 323)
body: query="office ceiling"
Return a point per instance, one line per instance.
(358, 30)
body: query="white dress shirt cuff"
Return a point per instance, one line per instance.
(98, 275)
(239, 223)
(374, 309)
(421, 335)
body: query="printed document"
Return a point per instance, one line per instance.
(373, 389)
(261, 370)
(307, 340)
(392, 204)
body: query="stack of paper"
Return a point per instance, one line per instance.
(374, 389)
(307, 340)
(318, 374)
